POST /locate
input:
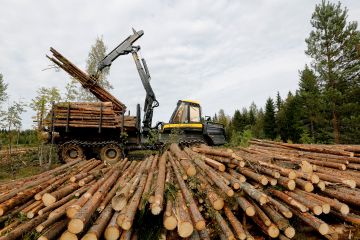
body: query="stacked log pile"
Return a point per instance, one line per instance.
(268, 189)
(84, 115)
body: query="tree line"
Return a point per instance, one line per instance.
(326, 106)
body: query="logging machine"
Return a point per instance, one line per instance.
(103, 129)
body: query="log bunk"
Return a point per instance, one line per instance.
(266, 190)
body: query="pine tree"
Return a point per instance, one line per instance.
(269, 119)
(237, 121)
(311, 101)
(332, 45)
(278, 101)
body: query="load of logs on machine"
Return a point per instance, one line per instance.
(196, 192)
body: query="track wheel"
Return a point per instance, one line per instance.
(110, 153)
(71, 152)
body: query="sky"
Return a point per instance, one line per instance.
(225, 53)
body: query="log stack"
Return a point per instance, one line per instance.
(267, 190)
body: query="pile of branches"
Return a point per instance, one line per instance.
(196, 193)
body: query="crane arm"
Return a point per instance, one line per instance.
(123, 48)
(150, 99)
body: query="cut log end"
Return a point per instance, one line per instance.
(191, 171)
(1, 211)
(75, 226)
(291, 185)
(39, 228)
(112, 233)
(309, 187)
(156, 210)
(290, 232)
(344, 209)
(264, 181)
(126, 225)
(250, 211)
(292, 175)
(185, 229)
(68, 236)
(273, 182)
(73, 179)
(321, 185)
(200, 225)
(43, 238)
(38, 197)
(218, 204)
(48, 199)
(273, 231)
(317, 210)
(326, 208)
(323, 229)
(230, 193)
(170, 223)
(236, 186)
(315, 178)
(287, 214)
(263, 199)
(90, 236)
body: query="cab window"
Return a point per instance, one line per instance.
(181, 114)
(194, 113)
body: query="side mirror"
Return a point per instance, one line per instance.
(208, 118)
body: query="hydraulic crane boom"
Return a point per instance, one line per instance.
(127, 47)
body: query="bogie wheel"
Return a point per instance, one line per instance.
(71, 152)
(111, 153)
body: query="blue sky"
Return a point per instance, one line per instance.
(225, 54)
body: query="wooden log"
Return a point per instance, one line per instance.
(289, 200)
(81, 218)
(334, 203)
(347, 198)
(54, 231)
(113, 231)
(54, 216)
(225, 229)
(235, 223)
(271, 230)
(50, 198)
(281, 222)
(133, 205)
(314, 207)
(305, 185)
(157, 206)
(337, 179)
(245, 205)
(148, 183)
(24, 227)
(63, 200)
(286, 182)
(169, 219)
(261, 214)
(194, 211)
(237, 175)
(284, 210)
(68, 236)
(184, 224)
(214, 177)
(255, 176)
(254, 193)
(314, 222)
(96, 230)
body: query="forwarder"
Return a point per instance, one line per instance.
(103, 130)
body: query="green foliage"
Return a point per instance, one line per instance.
(240, 139)
(305, 138)
(269, 119)
(332, 45)
(42, 103)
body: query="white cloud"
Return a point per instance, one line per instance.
(224, 53)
